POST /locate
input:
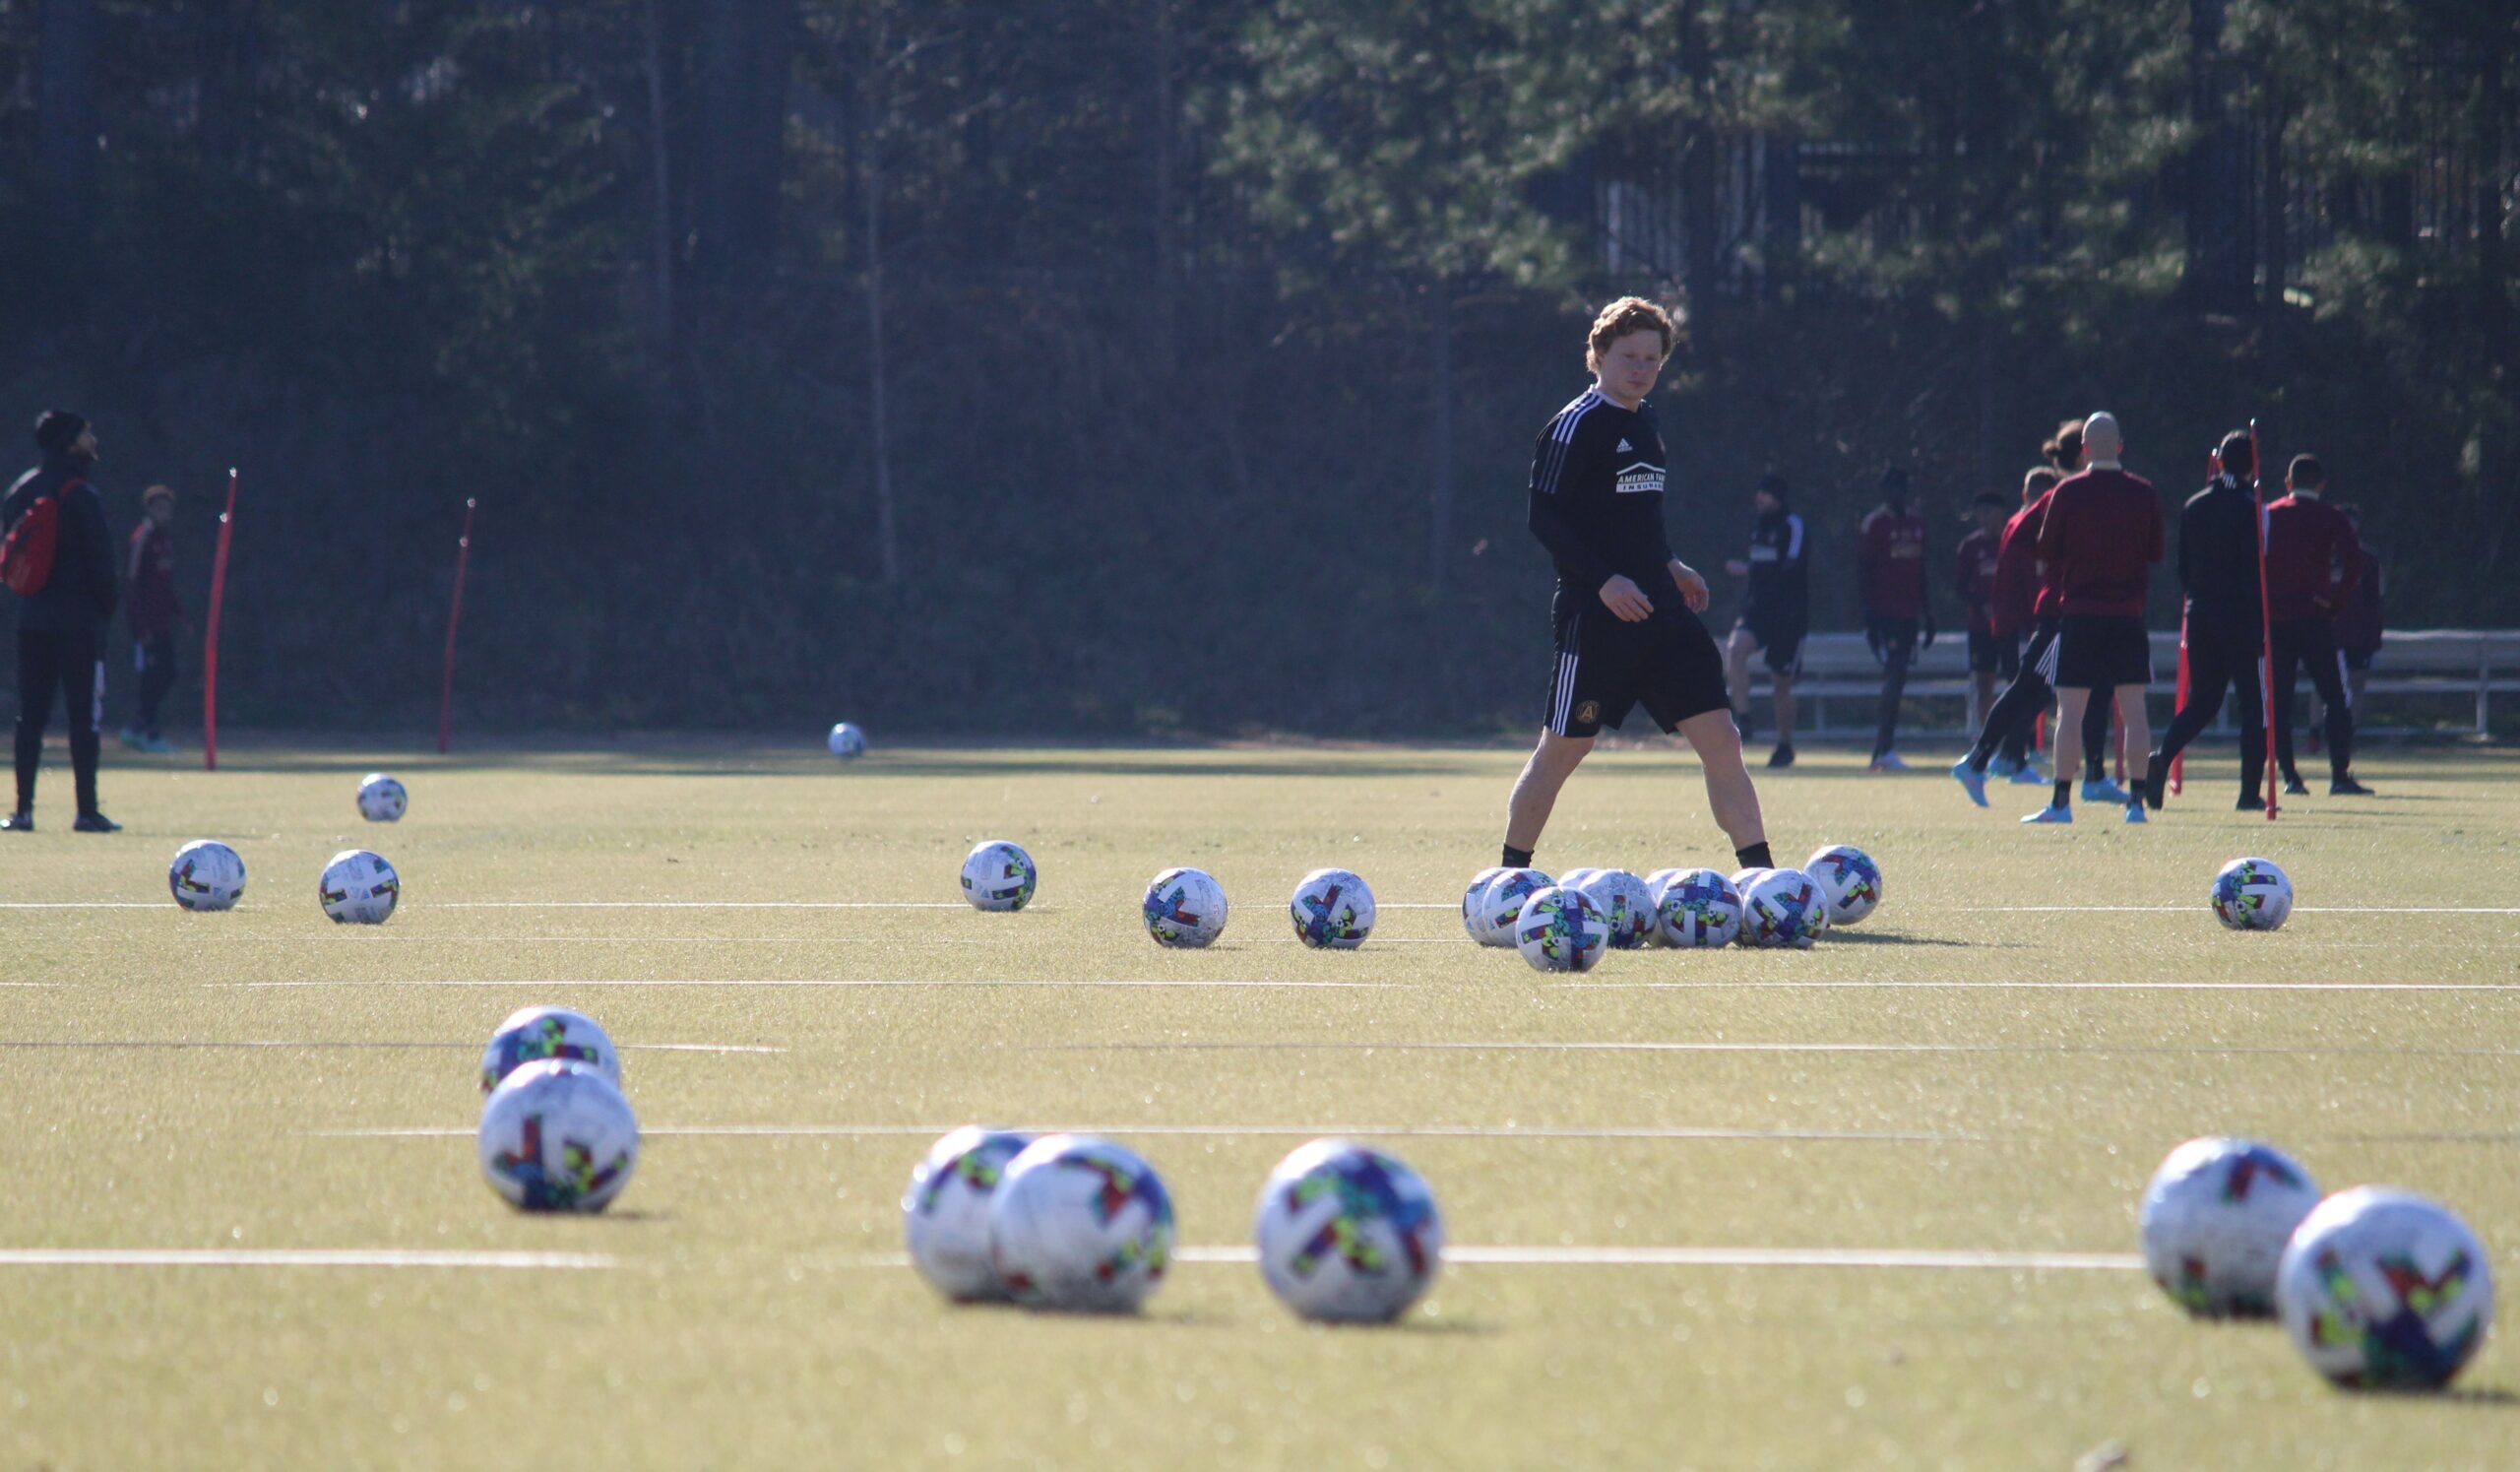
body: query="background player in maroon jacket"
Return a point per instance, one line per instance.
(2314, 564)
(2101, 539)
(1973, 577)
(1891, 554)
(2357, 631)
(152, 603)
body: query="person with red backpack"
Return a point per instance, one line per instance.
(57, 554)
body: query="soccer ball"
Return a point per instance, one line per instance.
(1500, 904)
(532, 1034)
(2215, 1221)
(1653, 883)
(1332, 910)
(945, 1212)
(1185, 908)
(2383, 1289)
(1742, 879)
(1848, 880)
(1783, 907)
(1574, 878)
(999, 875)
(558, 1137)
(381, 798)
(1080, 1224)
(848, 742)
(207, 874)
(2252, 894)
(1470, 903)
(1347, 1234)
(1559, 930)
(359, 887)
(1698, 907)
(1624, 903)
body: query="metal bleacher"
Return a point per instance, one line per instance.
(1841, 684)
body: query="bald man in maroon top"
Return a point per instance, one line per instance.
(2101, 539)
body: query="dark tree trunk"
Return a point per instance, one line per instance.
(2220, 275)
(874, 113)
(1698, 163)
(66, 100)
(660, 232)
(1159, 137)
(745, 47)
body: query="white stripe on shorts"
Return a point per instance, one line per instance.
(1564, 699)
(2047, 660)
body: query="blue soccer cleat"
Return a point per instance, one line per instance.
(2002, 766)
(2102, 791)
(2050, 815)
(1971, 780)
(2135, 812)
(2030, 775)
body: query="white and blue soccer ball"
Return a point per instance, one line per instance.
(1332, 910)
(532, 1035)
(1848, 879)
(1626, 906)
(2384, 1290)
(1500, 904)
(1185, 908)
(1081, 1225)
(2252, 894)
(1698, 907)
(1469, 899)
(1347, 1234)
(1574, 878)
(207, 874)
(2213, 1224)
(360, 888)
(846, 742)
(945, 1212)
(382, 799)
(1000, 876)
(558, 1137)
(1559, 930)
(1653, 883)
(1783, 908)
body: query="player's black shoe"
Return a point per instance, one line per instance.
(2347, 787)
(1782, 755)
(96, 822)
(2295, 787)
(2249, 803)
(20, 821)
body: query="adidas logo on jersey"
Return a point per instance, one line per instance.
(1624, 448)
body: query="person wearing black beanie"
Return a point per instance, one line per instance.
(61, 625)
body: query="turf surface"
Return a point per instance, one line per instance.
(754, 1312)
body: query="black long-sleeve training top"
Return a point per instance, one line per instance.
(84, 588)
(1596, 496)
(2218, 556)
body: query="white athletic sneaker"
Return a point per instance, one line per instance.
(1888, 761)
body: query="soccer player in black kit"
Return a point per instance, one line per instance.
(1625, 615)
(1776, 613)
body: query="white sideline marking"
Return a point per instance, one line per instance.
(651, 982)
(1607, 1257)
(314, 1043)
(2028, 1049)
(1229, 1131)
(2032, 986)
(292, 1258)
(701, 905)
(2177, 909)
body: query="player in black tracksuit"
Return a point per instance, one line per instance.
(61, 627)
(2217, 566)
(1776, 610)
(1624, 620)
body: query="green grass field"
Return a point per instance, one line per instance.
(264, 1080)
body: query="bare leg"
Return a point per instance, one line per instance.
(1737, 669)
(2135, 715)
(1553, 761)
(1783, 711)
(2070, 705)
(1730, 794)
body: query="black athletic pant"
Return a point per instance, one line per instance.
(2019, 706)
(1894, 642)
(66, 664)
(157, 677)
(2218, 658)
(2312, 642)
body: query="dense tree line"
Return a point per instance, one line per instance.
(1093, 366)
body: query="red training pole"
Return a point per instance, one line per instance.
(454, 616)
(209, 636)
(2266, 619)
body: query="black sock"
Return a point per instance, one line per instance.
(1754, 857)
(1517, 858)
(2064, 795)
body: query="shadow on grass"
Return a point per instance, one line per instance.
(1837, 936)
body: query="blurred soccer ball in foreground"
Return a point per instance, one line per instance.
(558, 1137)
(534, 1034)
(1347, 1234)
(1080, 1224)
(2252, 894)
(945, 1212)
(2383, 1289)
(2214, 1223)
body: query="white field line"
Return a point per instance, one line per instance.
(2036, 985)
(1235, 1131)
(294, 1257)
(877, 985)
(1608, 1257)
(2163, 908)
(316, 1042)
(2014, 1049)
(2178, 909)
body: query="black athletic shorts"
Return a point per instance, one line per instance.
(1606, 667)
(2359, 660)
(1999, 654)
(2097, 650)
(1779, 642)
(1891, 638)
